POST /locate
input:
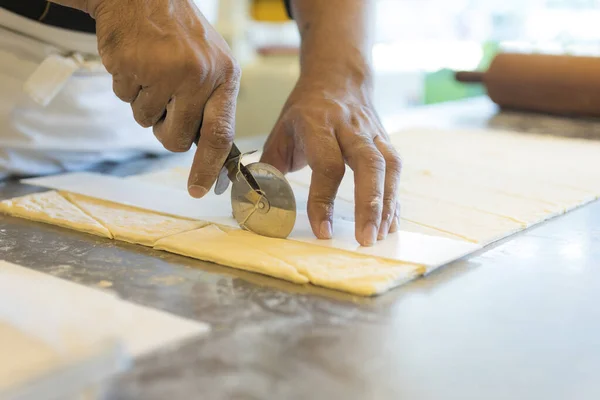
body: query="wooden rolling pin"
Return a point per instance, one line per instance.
(562, 85)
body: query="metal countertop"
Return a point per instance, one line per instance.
(519, 320)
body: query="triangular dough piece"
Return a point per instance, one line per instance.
(52, 208)
(132, 224)
(290, 260)
(215, 244)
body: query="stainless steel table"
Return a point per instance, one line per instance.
(519, 320)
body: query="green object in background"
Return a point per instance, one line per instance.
(440, 86)
(490, 49)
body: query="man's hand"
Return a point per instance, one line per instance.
(329, 120)
(326, 127)
(178, 74)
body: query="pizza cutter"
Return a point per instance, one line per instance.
(262, 200)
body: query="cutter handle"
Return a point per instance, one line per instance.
(232, 162)
(469, 76)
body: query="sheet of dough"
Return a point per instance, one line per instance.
(470, 224)
(409, 226)
(131, 224)
(519, 209)
(71, 317)
(293, 261)
(552, 160)
(23, 356)
(32, 368)
(52, 208)
(477, 186)
(555, 197)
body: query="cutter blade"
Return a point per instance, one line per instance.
(268, 211)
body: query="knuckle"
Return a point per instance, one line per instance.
(143, 115)
(371, 205)
(372, 159)
(320, 205)
(389, 200)
(197, 67)
(394, 163)
(120, 90)
(355, 122)
(332, 170)
(119, 62)
(337, 109)
(221, 134)
(232, 69)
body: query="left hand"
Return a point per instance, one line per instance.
(326, 126)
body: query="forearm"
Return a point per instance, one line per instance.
(336, 36)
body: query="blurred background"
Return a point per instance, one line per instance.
(419, 43)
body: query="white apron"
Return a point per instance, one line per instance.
(57, 109)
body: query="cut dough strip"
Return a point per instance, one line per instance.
(293, 261)
(52, 208)
(131, 224)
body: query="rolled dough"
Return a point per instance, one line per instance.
(131, 224)
(23, 356)
(52, 208)
(477, 186)
(409, 226)
(293, 261)
(470, 224)
(285, 259)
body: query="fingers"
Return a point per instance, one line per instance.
(393, 167)
(149, 105)
(368, 165)
(328, 168)
(125, 89)
(216, 137)
(178, 130)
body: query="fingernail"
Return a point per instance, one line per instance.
(369, 235)
(197, 191)
(325, 230)
(383, 230)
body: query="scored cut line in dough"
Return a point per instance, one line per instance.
(213, 244)
(293, 261)
(285, 259)
(50, 207)
(131, 224)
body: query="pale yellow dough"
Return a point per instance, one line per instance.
(131, 224)
(293, 261)
(23, 357)
(409, 226)
(470, 224)
(52, 208)
(285, 259)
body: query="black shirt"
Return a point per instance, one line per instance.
(59, 16)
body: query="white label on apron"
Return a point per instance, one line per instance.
(50, 77)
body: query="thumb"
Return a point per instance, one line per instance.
(279, 150)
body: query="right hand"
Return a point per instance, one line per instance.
(177, 73)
